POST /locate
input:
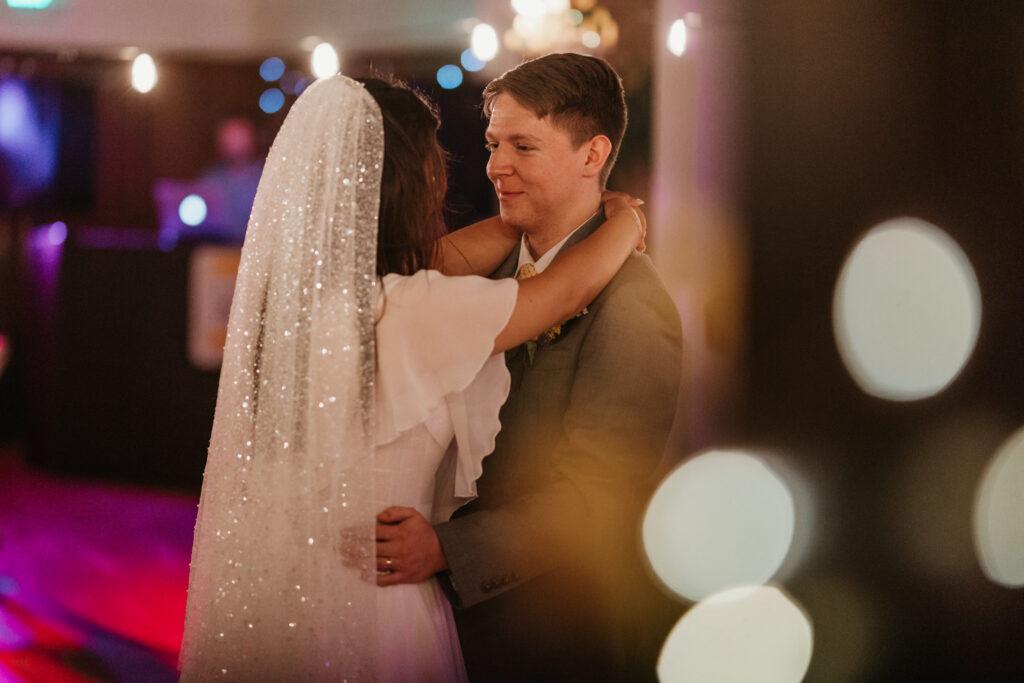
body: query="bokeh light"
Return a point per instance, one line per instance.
(470, 62)
(741, 635)
(271, 101)
(144, 75)
(272, 69)
(677, 37)
(192, 210)
(720, 520)
(290, 80)
(575, 17)
(906, 311)
(57, 234)
(483, 41)
(590, 39)
(324, 61)
(530, 8)
(449, 76)
(999, 515)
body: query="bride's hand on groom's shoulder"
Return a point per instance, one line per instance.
(408, 550)
(617, 202)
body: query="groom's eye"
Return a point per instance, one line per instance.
(491, 146)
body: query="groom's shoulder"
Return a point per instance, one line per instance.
(635, 311)
(639, 268)
(638, 279)
(636, 298)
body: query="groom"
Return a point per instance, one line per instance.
(544, 568)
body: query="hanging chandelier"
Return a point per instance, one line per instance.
(541, 26)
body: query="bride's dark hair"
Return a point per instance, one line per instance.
(413, 181)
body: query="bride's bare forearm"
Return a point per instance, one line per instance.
(584, 269)
(477, 249)
(572, 281)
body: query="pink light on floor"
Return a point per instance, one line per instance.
(93, 578)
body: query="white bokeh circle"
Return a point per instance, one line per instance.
(741, 635)
(720, 520)
(999, 515)
(906, 310)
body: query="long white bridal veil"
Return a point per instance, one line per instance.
(290, 463)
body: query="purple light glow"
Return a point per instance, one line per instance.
(45, 250)
(57, 234)
(48, 237)
(4, 356)
(28, 140)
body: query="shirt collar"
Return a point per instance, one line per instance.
(548, 256)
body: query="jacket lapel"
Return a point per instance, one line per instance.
(508, 268)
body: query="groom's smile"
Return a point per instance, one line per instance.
(508, 195)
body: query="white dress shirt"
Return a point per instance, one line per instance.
(548, 256)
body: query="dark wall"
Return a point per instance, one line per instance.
(862, 111)
(109, 389)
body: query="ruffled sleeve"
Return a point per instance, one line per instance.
(435, 335)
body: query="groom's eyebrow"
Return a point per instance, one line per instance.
(516, 137)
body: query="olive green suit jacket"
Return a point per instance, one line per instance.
(545, 572)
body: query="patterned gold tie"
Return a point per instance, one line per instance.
(526, 270)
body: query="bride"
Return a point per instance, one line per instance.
(363, 369)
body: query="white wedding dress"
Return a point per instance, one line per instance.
(439, 391)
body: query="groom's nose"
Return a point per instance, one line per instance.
(499, 164)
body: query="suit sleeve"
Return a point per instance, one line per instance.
(622, 403)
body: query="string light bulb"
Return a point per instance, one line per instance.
(144, 74)
(324, 61)
(483, 41)
(677, 38)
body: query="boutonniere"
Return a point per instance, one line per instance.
(549, 336)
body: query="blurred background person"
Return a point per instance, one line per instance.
(237, 174)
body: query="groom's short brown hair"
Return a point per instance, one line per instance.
(583, 95)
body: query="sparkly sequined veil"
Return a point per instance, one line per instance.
(290, 463)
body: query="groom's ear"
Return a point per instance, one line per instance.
(598, 149)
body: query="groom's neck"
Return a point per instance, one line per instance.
(541, 238)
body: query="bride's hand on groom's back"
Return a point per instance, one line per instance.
(408, 550)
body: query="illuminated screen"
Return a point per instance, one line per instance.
(46, 144)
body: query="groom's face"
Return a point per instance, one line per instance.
(534, 166)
